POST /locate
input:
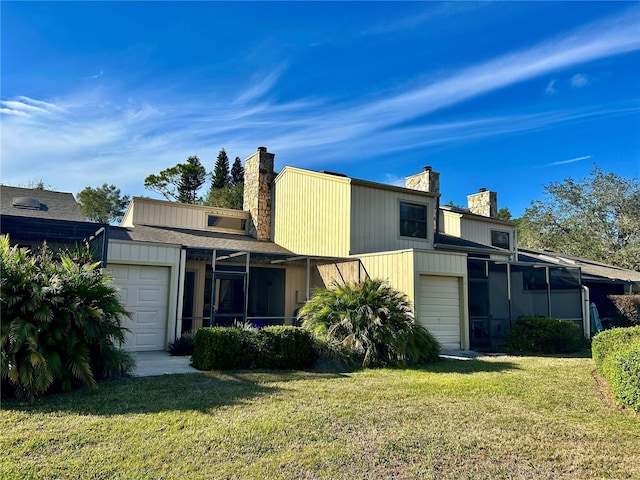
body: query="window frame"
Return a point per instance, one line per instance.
(495, 231)
(401, 219)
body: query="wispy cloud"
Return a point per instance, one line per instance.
(551, 88)
(93, 77)
(564, 162)
(579, 80)
(122, 138)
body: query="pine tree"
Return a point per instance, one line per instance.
(221, 171)
(237, 172)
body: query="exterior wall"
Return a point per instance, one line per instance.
(394, 267)
(450, 265)
(258, 179)
(479, 231)
(137, 253)
(484, 203)
(450, 223)
(147, 211)
(375, 220)
(312, 213)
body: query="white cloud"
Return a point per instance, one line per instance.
(564, 162)
(579, 80)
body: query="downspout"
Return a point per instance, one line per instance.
(246, 290)
(308, 287)
(515, 241)
(212, 302)
(182, 266)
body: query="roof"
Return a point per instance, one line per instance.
(449, 242)
(591, 270)
(51, 205)
(474, 216)
(196, 239)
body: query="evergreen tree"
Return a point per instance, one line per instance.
(237, 172)
(180, 182)
(221, 171)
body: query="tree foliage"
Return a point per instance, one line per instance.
(102, 204)
(61, 321)
(596, 217)
(221, 178)
(237, 172)
(226, 197)
(373, 320)
(180, 182)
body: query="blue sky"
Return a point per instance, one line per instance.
(508, 96)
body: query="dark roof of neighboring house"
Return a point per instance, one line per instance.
(455, 243)
(196, 239)
(48, 204)
(591, 270)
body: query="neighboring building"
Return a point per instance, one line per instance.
(181, 267)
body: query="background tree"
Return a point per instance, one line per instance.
(596, 217)
(226, 197)
(237, 172)
(504, 214)
(102, 204)
(180, 182)
(221, 171)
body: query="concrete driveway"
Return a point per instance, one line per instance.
(150, 364)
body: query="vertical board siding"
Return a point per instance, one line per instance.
(480, 231)
(377, 211)
(312, 213)
(168, 214)
(128, 252)
(394, 267)
(450, 224)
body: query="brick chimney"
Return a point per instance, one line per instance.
(426, 181)
(484, 203)
(258, 180)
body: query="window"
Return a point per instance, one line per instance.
(500, 239)
(413, 220)
(226, 222)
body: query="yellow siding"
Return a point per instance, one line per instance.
(450, 223)
(296, 289)
(394, 267)
(312, 213)
(375, 220)
(479, 231)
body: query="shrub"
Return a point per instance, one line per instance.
(544, 335)
(371, 319)
(282, 347)
(61, 322)
(627, 309)
(608, 341)
(224, 348)
(183, 346)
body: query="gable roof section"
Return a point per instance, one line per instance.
(591, 270)
(473, 216)
(52, 205)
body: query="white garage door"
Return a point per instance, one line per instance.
(145, 293)
(439, 308)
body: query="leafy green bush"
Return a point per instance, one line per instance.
(224, 348)
(372, 320)
(183, 346)
(282, 347)
(609, 341)
(61, 322)
(544, 335)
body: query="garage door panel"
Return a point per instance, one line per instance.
(144, 290)
(439, 309)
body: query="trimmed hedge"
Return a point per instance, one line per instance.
(278, 347)
(544, 335)
(616, 353)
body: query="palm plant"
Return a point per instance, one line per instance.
(61, 321)
(371, 319)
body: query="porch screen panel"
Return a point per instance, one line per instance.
(498, 301)
(566, 294)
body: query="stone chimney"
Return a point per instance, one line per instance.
(426, 181)
(484, 203)
(258, 180)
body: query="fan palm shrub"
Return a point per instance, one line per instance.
(371, 319)
(61, 321)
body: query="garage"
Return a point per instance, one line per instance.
(439, 308)
(144, 291)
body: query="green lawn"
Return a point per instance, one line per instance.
(503, 417)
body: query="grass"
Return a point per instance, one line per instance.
(498, 418)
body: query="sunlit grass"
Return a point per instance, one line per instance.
(504, 417)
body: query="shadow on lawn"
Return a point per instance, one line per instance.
(468, 366)
(202, 393)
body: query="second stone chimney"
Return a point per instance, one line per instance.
(484, 203)
(426, 181)
(258, 179)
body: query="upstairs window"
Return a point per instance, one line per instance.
(500, 239)
(413, 220)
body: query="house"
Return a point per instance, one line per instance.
(181, 267)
